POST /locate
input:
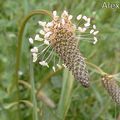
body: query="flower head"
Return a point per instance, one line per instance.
(58, 42)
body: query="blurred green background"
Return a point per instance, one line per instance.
(86, 104)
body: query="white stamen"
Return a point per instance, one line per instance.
(34, 57)
(88, 20)
(34, 50)
(63, 21)
(91, 31)
(95, 40)
(94, 26)
(87, 24)
(79, 17)
(30, 40)
(80, 29)
(64, 65)
(53, 68)
(56, 18)
(49, 24)
(59, 66)
(70, 17)
(65, 13)
(54, 13)
(96, 32)
(37, 37)
(46, 42)
(74, 26)
(47, 34)
(42, 23)
(85, 18)
(43, 63)
(42, 32)
(84, 29)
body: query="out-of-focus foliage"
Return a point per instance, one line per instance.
(86, 104)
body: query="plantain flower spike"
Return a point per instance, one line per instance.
(112, 87)
(58, 43)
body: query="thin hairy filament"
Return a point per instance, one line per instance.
(84, 38)
(84, 35)
(77, 31)
(47, 51)
(43, 50)
(40, 45)
(54, 61)
(80, 23)
(49, 55)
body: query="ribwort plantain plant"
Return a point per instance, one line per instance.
(57, 42)
(61, 36)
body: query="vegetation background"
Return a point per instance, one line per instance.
(57, 101)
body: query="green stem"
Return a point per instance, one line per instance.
(65, 98)
(99, 70)
(34, 101)
(18, 51)
(20, 36)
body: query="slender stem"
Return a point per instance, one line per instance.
(18, 51)
(34, 101)
(65, 98)
(20, 36)
(99, 70)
